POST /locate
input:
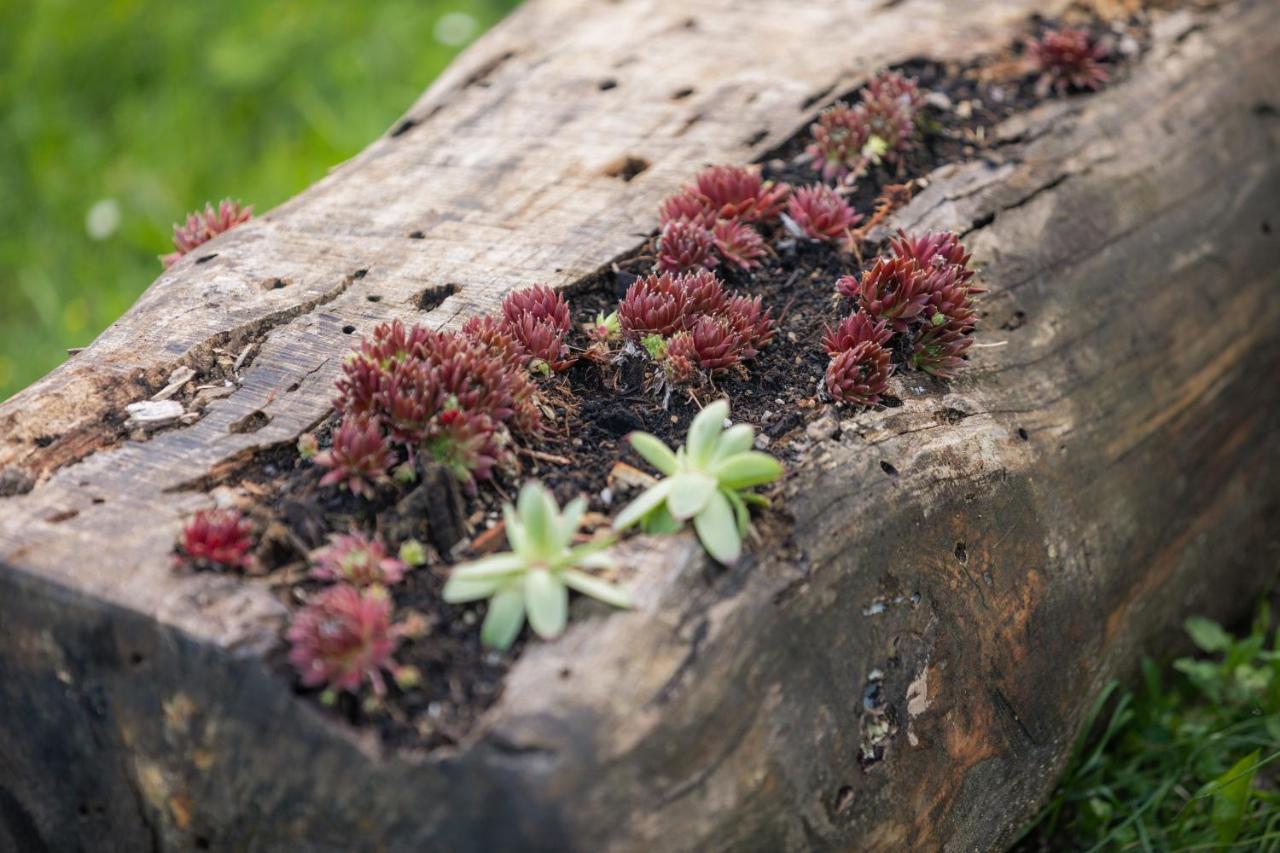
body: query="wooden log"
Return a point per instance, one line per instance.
(904, 666)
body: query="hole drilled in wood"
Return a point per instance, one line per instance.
(251, 422)
(275, 284)
(348, 329)
(416, 235)
(205, 258)
(64, 515)
(432, 297)
(961, 552)
(681, 94)
(888, 469)
(607, 84)
(404, 127)
(373, 297)
(626, 168)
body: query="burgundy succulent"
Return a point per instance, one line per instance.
(1068, 60)
(893, 289)
(356, 559)
(712, 343)
(216, 538)
(343, 638)
(883, 124)
(857, 328)
(359, 457)
(939, 349)
(892, 102)
(411, 380)
(203, 226)
(932, 250)
(468, 443)
(541, 303)
(686, 245)
(704, 294)
(859, 375)
(752, 322)
(821, 213)
(739, 244)
(738, 192)
(492, 334)
(653, 305)
(838, 137)
(687, 204)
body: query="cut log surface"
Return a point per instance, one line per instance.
(906, 669)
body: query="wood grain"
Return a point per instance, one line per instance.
(901, 669)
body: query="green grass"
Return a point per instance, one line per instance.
(1190, 761)
(150, 108)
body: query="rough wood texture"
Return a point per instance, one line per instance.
(903, 671)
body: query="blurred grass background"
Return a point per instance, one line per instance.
(117, 117)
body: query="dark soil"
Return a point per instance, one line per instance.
(596, 407)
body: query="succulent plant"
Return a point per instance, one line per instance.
(859, 375)
(216, 538)
(856, 328)
(891, 102)
(739, 244)
(359, 457)
(493, 335)
(820, 212)
(838, 137)
(845, 139)
(540, 302)
(752, 322)
(892, 289)
(738, 192)
(707, 480)
(687, 204)
(536, 575)
(711, 343)
(1068, 60)
(447, 393)
(203, 226)
(686, 245)
(653, 305)
(356, 559)
(343, 638)
(704, 294)
(544, 342)
(940, 347)
(932, 250)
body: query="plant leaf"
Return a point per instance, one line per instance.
(538, 512)
(661, 522)
(505, 618)
(515, 530)
(704, 431)
(460, 590)
(718, 530)
(642, 505)
(736, 439)
(740, 512)
(1231, 797)
(548, 603)
(571, 520)
(654, 451)
(1207, 634)
(489, 567)
(597, 588)
(690, 492)
(747, 469)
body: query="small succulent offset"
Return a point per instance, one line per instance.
(203, 226)
(345, 637)
(536, 575)
(846, 139)
(707, 480)
(1068, 60)
(820, 213)
(538, 318)
(359, 458)
(216, 538)
(357, 559)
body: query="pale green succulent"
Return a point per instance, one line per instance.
(708, 480)
(537, 574)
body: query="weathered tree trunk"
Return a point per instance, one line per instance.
(907, 670)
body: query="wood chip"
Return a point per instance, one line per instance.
(177, 379)
(151, 414)
(630, 476)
